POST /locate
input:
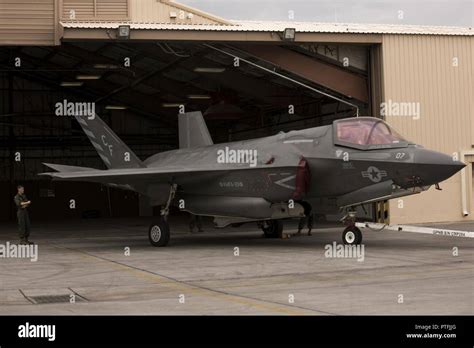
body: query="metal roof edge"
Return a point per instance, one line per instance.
(277, 26)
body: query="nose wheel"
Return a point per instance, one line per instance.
(352, 236)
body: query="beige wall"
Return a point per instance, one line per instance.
(158, 11)
(94, 9)
(24, 22)
(419, 68)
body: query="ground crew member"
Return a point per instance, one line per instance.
(196, 221)
(22, 203)
(306, 220)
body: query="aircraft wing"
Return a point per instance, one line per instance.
(129, 175)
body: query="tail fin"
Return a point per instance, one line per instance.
(193, 131)
(110, 148)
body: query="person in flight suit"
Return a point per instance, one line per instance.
(306, 220)
(196, 221)
(22, 203)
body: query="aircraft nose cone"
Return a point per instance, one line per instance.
(454, 167)
(435, 167)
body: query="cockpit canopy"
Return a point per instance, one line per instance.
(366, 133)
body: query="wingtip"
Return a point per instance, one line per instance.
(49, 165)
(46, 174)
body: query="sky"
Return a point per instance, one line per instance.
(421, 12)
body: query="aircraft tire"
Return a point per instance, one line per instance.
(352, 236)
(159, 233)
(274, 229)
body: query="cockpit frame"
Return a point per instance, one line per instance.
(370, 134)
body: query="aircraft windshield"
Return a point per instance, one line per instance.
(366, 132)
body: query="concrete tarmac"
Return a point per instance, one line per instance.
(107, 266)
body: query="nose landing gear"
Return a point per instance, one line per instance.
(351, 234)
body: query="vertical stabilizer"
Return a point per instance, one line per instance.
(113, 151)
(193, 131)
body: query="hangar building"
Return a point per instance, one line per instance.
(139, 61)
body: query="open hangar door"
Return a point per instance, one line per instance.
(138, 88)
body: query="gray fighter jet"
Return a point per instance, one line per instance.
(325, 169)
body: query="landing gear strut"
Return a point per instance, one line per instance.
(159, 231)
(351, 234)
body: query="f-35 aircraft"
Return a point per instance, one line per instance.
(325, 169)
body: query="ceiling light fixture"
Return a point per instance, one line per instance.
(172, 105)
(115, 107)
(88, 77)
(105, 66)
(209, 70)
(199, 96)
(71, 84)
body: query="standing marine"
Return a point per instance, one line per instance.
(22, 203)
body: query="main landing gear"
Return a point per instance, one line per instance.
(159, 233)
(272, 228)
(351, 234)
(159, 230)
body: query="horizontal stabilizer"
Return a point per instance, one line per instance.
(64, 169)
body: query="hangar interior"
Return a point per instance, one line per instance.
(138, 88)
